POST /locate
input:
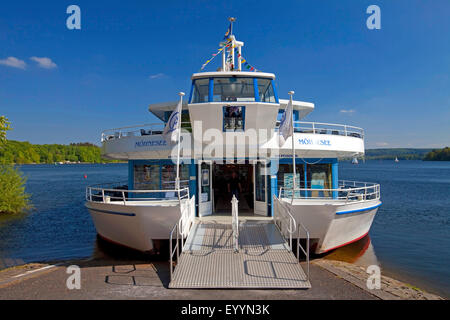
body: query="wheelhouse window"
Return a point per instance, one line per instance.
(233, 89)
(265, 90)
(200, 91)
(233, 118)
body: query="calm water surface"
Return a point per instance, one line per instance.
(409, 238)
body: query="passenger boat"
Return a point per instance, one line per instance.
(229, 137)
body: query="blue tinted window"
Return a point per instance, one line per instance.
(200, 91)
(233, 89)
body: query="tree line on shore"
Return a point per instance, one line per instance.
(438, 155)
(17, 152)
(427, 154)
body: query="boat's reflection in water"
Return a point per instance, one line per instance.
(360, 253)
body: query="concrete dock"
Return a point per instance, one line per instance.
(125, 279)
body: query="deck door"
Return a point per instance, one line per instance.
(205, 188)
(260, 171)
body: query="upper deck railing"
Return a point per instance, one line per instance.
(299, 127)
(109, 193)
(347, 191)
(138, 130)
(327, 128)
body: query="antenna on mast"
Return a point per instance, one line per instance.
(231, 19)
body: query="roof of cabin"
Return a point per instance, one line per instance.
(232, 74)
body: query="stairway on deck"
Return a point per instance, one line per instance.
(264, 259)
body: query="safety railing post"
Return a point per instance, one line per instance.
(235, 222)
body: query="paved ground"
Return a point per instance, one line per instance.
(115, 279)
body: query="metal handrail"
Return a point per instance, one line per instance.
(306, 252)
(327, 128)
(291, 225)
(287, 210)
(181, 230)
(174, 250)
(124, 194)
(235, 222)
(147, 129)
(347, 190)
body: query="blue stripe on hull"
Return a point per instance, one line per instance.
(114, 212)
(359, 210)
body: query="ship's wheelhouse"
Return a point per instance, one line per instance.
(233, 87)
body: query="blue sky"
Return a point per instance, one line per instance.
(393, 82)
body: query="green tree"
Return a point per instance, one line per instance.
(13, 197)
(5, 126)
(438, 155)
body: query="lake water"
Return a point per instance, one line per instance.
(410, 237)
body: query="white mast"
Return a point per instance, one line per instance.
(234, 44)
(294, 185)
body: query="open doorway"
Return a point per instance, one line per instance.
(229, 179)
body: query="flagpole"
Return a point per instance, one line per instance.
(293, 148)
(177, 179)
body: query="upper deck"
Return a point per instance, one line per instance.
(234, 111)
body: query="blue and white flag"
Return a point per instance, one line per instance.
(286, 128)
(173, 125)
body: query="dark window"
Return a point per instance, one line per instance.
(201, 90)
(265, 90)
(284, 176)
(146, 177)
(233, 118)
(233, 89)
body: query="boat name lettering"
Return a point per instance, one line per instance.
(320, 142)
(150, 143)
(305, 141)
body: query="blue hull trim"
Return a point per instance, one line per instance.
(359, 210)
(114, 212)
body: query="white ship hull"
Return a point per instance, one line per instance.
(335, 225)
(137, 224)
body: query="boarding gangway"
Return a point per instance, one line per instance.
(238, 252)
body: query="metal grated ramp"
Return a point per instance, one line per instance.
(264, 260)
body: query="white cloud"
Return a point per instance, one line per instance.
(157, 76)
(349, 111)
(14, 63)
(44, 62)
(381, 144)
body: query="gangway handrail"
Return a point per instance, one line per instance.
(306, 252)
(181, 229)
(291, 225)
(298, 225)
(235, 222)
